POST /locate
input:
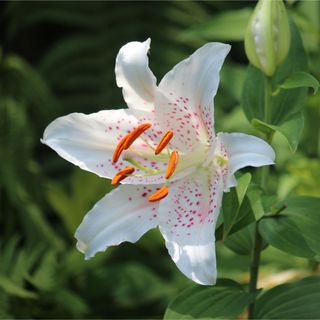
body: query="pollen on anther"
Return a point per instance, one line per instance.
(160, 194)
(135, 134)
(122, 174)
(164, 141)
(173, 162)
(119, 148)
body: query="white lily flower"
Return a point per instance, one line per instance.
(178, 188)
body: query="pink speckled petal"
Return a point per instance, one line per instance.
(242, 150)
(184, 102)
(125, 214)
(187, 221)
(134, 76)
(88, 141)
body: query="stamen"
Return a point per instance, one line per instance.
(173, 162)
(164, 141)
(135, 134)
(119, 148)
(122, 174)
(160, 194)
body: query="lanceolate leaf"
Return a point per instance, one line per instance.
(300, 80)
(226, 301)
(291, 129)
(236, 207)
(297, 300)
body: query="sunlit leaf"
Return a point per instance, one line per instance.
(300, 80)
(291, 129)
(13, 289)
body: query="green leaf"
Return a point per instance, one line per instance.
(296, 229)
(228, 25)
(287, 102)
(254, 196)
(13, 289)
(291, 129)
(283, 234)
(230, 208)
(200, 302)
(242, 241)
(300, 80)
(72, 302)
(297, 300)
(235, 205)
(70, 204)
(242, 186)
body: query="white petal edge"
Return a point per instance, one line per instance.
(88, 141)
(189, 88)
(125, 214)
(192, 248)
(245, 150)
(134, 76)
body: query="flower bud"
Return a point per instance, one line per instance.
(267, 39)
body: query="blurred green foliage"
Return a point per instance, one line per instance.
(57, 58)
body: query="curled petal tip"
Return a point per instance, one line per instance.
(81, 246)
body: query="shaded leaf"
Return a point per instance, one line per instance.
(297, 300)
(236, 207)
(296, 229)
(226, 301)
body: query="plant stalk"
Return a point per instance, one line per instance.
(264, 173)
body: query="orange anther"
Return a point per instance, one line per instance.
(173, 162)
(164, 141)
(119, 148)
(121, 175)
(160, 194)
(135, 134)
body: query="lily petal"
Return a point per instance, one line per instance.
(187, 221)
(134, 76)
(184, 102)
(125, 214)
(244, 150)
(88, 141)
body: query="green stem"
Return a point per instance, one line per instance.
(264, 173)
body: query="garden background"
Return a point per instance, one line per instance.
(57, 58)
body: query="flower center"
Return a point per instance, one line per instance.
(127, 141)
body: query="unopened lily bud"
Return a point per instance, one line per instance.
(267, 39)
